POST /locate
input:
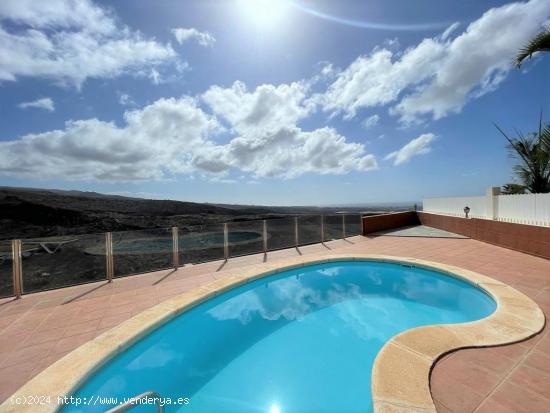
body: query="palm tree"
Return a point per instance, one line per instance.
(539, 43)
(512, 189)
(533, 152)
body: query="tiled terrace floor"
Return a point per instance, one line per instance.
(419, 231)
(40, 328)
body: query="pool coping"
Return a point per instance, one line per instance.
(402, 368)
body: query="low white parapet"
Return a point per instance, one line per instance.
(531, 209)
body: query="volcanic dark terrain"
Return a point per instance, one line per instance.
(31, 213)
(63, 233)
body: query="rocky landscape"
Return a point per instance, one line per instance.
(63, 233)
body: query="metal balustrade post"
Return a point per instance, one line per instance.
(17, 268)
(265, 235)
(344, 226)
(225, 241)
(175, 248)
(109, 263)
(296, 237)
(322, 229)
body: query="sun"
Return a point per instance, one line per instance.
(264, 13)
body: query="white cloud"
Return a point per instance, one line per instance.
(417, 146)
(155, 77)
(82, 14)
(71, 41)
(439, 75)
(125, 99)
(203, 38)
(155, 142)
(392, 44)
(477, 60)
(174, 136)
(269, 142)
(289, 153)
(370, 122)
(43, 103)
(377, 79)
(268, 107)
(449, 31)
(328, 70)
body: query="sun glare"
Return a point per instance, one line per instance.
(264, 13)
(275, 408)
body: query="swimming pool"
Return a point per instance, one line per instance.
(301, 340)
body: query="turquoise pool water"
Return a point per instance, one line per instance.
(303, 340)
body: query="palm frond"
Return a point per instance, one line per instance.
(545, 138)
(511, 189)
(533, 153)
(516, 146)
(539, 43)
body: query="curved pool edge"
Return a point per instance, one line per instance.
(401, 371)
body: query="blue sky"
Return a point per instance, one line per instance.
(266, 101)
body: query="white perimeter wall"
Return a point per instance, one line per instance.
(455, 206)
(533, 209)
(527, 209)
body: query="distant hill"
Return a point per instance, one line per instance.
(28, 212)
(93, 201)
(31, 212)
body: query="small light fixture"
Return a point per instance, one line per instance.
(466, 210)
